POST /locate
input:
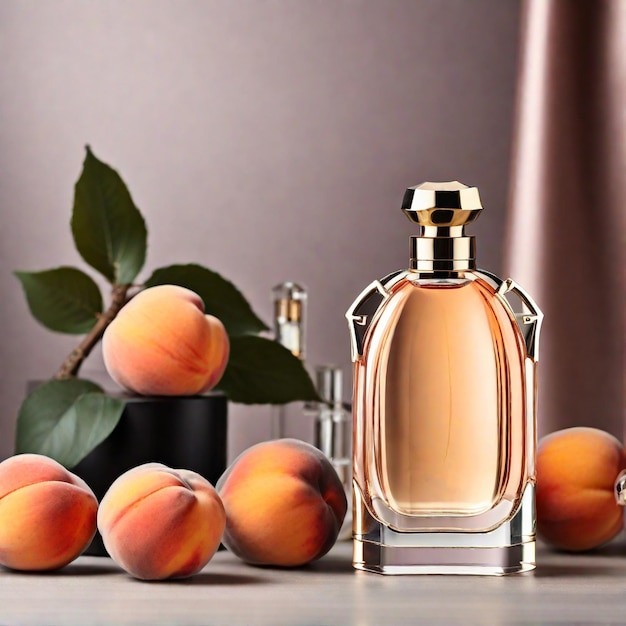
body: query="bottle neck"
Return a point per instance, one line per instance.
(442, 254)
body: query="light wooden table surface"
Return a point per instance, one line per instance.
(565, 589)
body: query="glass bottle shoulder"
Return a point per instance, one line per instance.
(418, 294)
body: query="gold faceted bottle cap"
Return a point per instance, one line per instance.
(442, 210)
(446, 204)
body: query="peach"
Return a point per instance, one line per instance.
(47, 514)
(162, 343)
(576, 473)
(284, 504)
(159, 523)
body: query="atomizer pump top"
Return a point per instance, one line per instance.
(442, 210)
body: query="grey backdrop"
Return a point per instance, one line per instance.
(268, 140)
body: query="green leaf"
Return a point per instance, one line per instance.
(108, 229)
(66, 420)
(261, 371)
(62, 299)
(221, 297)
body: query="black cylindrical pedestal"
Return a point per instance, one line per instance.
(180, 432)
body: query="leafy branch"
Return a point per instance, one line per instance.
(73, 361)
(67, 417)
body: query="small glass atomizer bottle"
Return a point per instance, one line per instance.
(289, 330)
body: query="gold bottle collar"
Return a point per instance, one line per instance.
(443, 254)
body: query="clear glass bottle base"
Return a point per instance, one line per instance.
(372, 557)
(507, 549)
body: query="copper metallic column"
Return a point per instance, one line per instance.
(567, 210)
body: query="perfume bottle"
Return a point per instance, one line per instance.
(289, 330)
(444, 401)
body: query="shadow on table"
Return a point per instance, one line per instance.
(219, 579)
(73, 569)
(606, 560)
(328, 564)
(331, 564)
(574, 570)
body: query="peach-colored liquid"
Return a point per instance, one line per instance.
(445, 384)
